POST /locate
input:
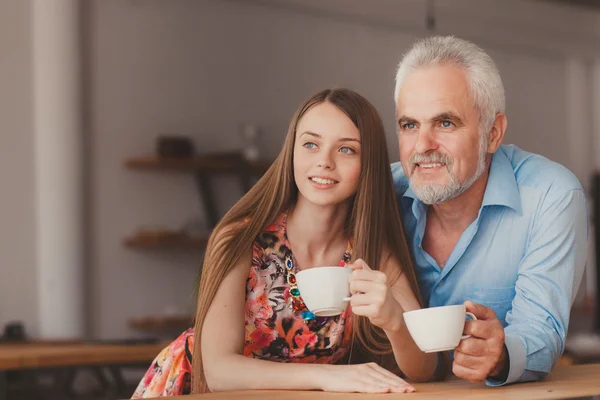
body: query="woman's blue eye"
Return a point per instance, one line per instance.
(347, 150)
(309, 145)
(446, 124)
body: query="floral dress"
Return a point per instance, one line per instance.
(277, 325)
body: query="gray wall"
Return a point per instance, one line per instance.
(18, 283)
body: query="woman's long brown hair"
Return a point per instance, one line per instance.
(373, 224)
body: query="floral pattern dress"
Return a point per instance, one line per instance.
(275, 329)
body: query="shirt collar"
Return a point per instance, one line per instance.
(501, 189)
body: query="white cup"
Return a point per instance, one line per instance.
(437, 328)
(325, 290)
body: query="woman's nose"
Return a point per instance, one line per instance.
(326, 161)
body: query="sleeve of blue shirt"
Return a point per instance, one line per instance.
(549, 276)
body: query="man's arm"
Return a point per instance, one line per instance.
(549, 276)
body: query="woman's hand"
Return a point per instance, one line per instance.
(372, 297)
(362, 378)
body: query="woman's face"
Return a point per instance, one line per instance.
(326, 156)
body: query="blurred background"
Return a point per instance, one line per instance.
(104, 214)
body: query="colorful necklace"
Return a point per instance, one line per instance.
(297, 302)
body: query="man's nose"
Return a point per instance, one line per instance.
(425, 141)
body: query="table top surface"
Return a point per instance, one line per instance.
(47, 355)
(564, 382)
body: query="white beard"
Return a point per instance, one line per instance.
(432, 193)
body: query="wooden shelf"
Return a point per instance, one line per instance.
(218, 163)
(202, 166)
(174, 240)
(177, 323)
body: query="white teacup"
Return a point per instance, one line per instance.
(325, 290)
(437, 328)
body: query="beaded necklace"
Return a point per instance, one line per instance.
(297, 304)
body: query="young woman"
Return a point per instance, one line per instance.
(328, 199)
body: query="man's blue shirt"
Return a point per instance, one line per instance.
(523, 256)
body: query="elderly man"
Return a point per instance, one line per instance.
(491, 225)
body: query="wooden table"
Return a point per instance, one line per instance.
(564, 382)
(71, 356)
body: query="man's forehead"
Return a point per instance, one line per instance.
(434, 90)
(428, 105)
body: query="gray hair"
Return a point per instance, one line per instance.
(486, 85)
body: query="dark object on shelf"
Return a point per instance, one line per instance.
(174, 146)
(13, 332)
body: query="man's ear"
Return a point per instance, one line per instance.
(496, 134)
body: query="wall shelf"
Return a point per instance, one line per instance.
(160, 324)
(202, 167)
(142, 240)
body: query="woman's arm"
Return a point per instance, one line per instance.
(414, 363)
(225, 367)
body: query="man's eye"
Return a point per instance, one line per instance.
(347, 150)
(447, 124)
(309, 145)
(409, 125)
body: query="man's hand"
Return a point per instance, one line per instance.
(482, 354)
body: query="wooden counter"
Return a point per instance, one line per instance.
(15, 356)
(563, 382)
(66, 358)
